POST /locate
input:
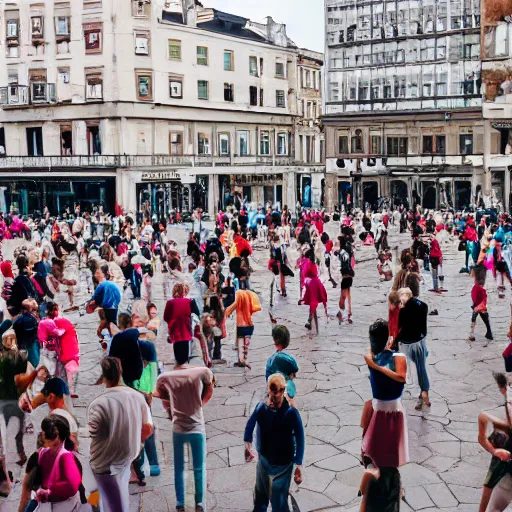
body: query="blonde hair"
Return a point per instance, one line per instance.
(140, 310)
(277, 379)
(405, 291)
(394, 297)
(180, 290)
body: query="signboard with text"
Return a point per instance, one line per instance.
(160, 176)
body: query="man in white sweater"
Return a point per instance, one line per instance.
(119, 422)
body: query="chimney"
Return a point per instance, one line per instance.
(189, 12)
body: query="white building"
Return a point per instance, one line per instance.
(136, 104)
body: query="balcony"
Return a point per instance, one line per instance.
(38, 93)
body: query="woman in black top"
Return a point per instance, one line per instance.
(22, 287)
(412, 323)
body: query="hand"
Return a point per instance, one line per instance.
(369, 359)
(42, 495)
(249, 453)
(502, 454)
(391, 340)
(297, 477)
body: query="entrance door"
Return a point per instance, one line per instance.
(399, 193)
(462, 194)
(370, 194)
(345, 195)
(429, 195)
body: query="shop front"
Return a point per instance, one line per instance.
(255, 189)
(60, 194)
(159, 193)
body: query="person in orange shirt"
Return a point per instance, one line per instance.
(246, 304)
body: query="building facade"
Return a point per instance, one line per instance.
(403, 115)
(154, 105)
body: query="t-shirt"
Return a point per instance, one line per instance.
(25, 327)
(73, 426)
(184, 388)
(478, 295)
(107, 295)
(115, 422)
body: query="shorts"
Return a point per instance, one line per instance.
(497, 470)
(243, 332)
(111, 316)
(346, 283)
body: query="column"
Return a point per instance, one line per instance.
(316, 189)
(213, 194)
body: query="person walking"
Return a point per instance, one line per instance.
(412, 335)
(184, 391)
(479, 307)
(280, 447)
(119, 421)
(25, 326)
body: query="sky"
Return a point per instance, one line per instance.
(304, 23)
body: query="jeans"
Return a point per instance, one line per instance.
(114, 493)
(272, 484)
(198, 446)
(9, 409)
(417, 353)
(150, 450)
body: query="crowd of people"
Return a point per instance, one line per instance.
(207, 287)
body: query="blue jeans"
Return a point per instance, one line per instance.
(198, 445)
(272, 484)
(417, 352)
(33, 353)
(150, 450)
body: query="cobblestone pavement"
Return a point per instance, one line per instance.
(447, 464)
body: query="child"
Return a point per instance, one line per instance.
(154, 321)
(384, 266)
(283, 363)
(314, 291)
(219, 329)
(479, 307)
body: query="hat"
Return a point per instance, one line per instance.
(55, 385)
(9, 340)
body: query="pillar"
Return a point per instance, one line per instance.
(316, 189)
(331, 191)
(290, 194)
(213, 194)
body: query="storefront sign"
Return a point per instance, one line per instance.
(501, 124)
(256, 179)
(161, 176)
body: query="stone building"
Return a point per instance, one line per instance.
(153, 104)
(403, 116)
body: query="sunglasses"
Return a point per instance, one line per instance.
(277, 390)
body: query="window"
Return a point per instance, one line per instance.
(264, 142)
(229, 60)
(434, 144)
(140, 8)
(92, 4)
(64, 92)
(144, 82)
(242, 142)
(261, 66)
(62, 26)
(66, 140)
(93, 33)
(253, 66)
(36, 23)
(376, 144)
(229, 92)
(308, 79)
(12, 28)
(282, 146)
(176, 143)
(466, 143)
(280, 99)
(397, 146)
(174, 49)
(261, 97)
(35, 141)
(343, 144)
(202, 56)
(176, 86)
(357, 142)
(93, 84)
(253, 95)
(203, 146)
(93, 139)
(202, 89)
(279, 69)
(223, 144)
(141, 43)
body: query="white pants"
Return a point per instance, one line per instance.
(501, 496)
(114, 492)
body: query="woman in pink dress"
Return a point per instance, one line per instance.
(314, 291)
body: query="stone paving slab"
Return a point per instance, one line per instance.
(447, 465)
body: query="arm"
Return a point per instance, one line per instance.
(298, 430)
(400, 364)
(147, 430)
(251, 424)
(207, 393)
(168, 312)
(483, 420)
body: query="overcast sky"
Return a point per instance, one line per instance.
(304, 23)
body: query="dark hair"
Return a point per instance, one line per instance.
(386, 491)
(412, 281)
(379, 335)
(22, 262)
(151, 305)
(54, 426)
(281, 336)
(104, 269)
(480, 273)
(111, 369)
(324, 238)
(181, 357)
(51, 307)
(124, 320)
(500, 379)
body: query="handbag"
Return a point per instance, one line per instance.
(462, 246)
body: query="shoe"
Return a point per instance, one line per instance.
(23, 459)
(180, 509)
(154, 470)
(434, 312)
(200, 508)
(419, 404)
(471, 339)
(308, 326)
(74, 395)
(489, 336)
(464, 271)
(339, 316)
(349, 319)
(219, 361)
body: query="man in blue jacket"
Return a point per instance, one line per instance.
(280, 446)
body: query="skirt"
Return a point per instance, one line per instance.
(386, 441)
